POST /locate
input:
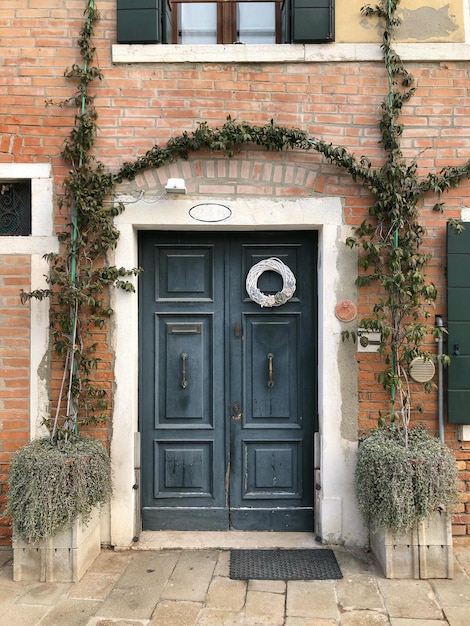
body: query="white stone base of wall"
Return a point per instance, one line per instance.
(424, 552)
(63, 558)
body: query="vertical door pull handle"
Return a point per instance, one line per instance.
(184, 382)
(270, 370)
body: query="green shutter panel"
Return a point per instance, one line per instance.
(458, 323)
(308, 21)
(140, 21)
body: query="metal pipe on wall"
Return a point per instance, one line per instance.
(440, 379)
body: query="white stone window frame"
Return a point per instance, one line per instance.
(287, 53)
(40, 242)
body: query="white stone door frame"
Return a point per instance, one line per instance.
(336, 513)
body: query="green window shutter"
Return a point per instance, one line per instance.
(140, 21)
(308, 21)
(458, 324)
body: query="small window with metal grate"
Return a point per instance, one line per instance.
(15, 208)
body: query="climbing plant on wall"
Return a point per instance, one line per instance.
(390, 239)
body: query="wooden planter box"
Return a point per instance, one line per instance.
(63, 558)
(425, 552)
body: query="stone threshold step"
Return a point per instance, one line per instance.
(223, 540)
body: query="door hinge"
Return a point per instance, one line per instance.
(238, 330)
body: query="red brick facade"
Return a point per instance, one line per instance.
(142, 104)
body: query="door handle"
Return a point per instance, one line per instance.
(270, 382)
(184, 382)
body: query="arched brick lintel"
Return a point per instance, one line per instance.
(237, 176)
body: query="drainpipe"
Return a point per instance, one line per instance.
(440, 380)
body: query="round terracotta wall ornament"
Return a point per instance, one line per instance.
(346, 311)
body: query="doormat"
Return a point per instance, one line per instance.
(315, 564)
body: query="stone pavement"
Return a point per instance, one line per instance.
(191, 587)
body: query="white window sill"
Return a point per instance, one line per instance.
(283, 53)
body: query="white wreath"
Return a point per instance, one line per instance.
(288, 283)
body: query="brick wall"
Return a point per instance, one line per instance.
(14, 368)
(139, 105)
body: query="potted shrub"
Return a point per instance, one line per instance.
(405, 493)
(54, 496)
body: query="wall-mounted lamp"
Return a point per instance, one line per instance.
(175, 185)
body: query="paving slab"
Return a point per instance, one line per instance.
(104, 621)
(414, 599)
(305, 621)
(458, 616)
(462, 557)
(398, 621)
(6, 555)
(359, 592)
(24, 615)
(176, 613)
(46, 594)
(138, 590)
(219, 617)
(71, 612)
(273, 586)
(129, 604)
(455, 592)
(222, 567)
(10, 592)
(312, 599)
(356, 561)
(111, 562)
(93, 586)
(191, 577)
(148, 569)
(364, 618)
(264, 608)
(226, 594)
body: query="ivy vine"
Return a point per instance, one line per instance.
(390, 240)
(80, 276)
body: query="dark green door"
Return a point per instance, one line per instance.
(227, 388)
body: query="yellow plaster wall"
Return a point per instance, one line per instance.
(422, 20)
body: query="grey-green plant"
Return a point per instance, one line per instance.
(50, 487)
(398, 486)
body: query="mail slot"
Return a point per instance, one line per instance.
(184, 329)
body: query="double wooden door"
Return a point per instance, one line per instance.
(227, 388)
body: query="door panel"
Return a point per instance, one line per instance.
(271, 359)
(272, 376)
(182, 419)
(227, 388)
(185, 360)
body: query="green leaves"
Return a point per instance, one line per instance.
(229, 138)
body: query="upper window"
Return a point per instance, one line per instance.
(225, 22)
